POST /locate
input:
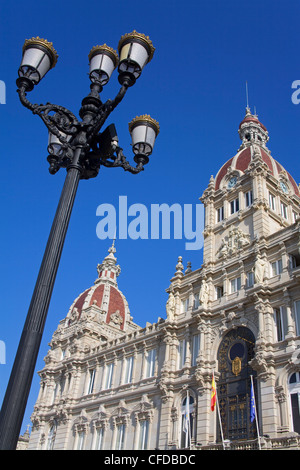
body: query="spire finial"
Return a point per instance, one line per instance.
(112, 249)
(247, 98)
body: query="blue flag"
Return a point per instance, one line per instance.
(252, 403)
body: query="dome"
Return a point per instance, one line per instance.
(252, 118)
(254, 136)
(104, 296)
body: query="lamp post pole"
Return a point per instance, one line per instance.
(81, 149)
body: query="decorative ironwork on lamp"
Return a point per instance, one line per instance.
(82, 148)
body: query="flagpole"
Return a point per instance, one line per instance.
(219, 414)
(256, 420)
(187, 412)
(218, 408)
(189, 421)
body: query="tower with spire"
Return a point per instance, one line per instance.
(252, 195)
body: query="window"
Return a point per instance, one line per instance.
(280, 320)
(92, 374)
(248, 198)
(220, 214)
(187, 421)
(151, 363)
(195, 348)
(144, 434)
(80, 440)
(294, 216)
(292, 262)
(128, 370)
(272, 202)
(276, 267)
(184, 305)
(297, 315)
(108, 375)
(283, 210)
(294, 392)
(99, 438)
(235, 285)
(234, 206)
(120, 437)
(181, 353)
(219, 292)
(196, 301)
(250, 279)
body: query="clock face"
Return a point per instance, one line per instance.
(284, 187)
(232, 182)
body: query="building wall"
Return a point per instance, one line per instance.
(208, 308)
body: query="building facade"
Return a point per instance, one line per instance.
(109, 384)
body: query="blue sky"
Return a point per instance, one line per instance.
(195, 88)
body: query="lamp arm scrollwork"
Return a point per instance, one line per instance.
(120, 161)
(62, 121)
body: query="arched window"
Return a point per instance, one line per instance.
(294, 393)
(187, 421)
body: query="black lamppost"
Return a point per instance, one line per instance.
(79, 147)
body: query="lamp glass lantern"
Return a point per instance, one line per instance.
(55, 144)
(144, 130)
(135, 51)
(103, 61)
(39, 57)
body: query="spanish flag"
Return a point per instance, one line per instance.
(213, 394)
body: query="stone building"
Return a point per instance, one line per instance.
(109, 384)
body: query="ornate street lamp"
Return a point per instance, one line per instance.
(82, 149)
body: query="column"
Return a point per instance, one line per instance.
(290, 322)
(165, 425)
(268, 419)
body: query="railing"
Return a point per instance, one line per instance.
(290, 441)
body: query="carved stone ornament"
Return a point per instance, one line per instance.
(170, 307)
(116, 318)
(232, 243)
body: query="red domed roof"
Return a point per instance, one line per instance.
(254, 136)
(104, 294)
(242, 160)
(252, 118)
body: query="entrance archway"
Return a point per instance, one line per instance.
(234, 386)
